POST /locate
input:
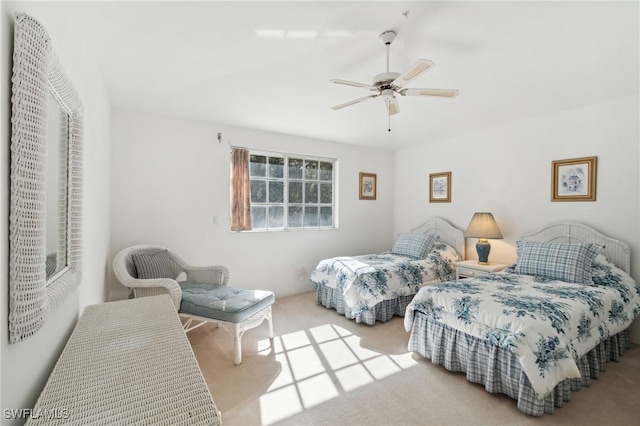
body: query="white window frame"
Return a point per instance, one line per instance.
(285, 204)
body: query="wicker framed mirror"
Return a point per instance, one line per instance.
(38, 78)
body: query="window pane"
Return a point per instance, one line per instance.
(276, 219)
(326, 193)
(310, 216)
(310, 192)
(326, 171)
(259, 217)
(295, 168)
(258, 166)
(276, 191)
(311, 170)
(295, 192)
(292, 192)
(276, 167)
(326, 216)
(258, 191)
(295, 217)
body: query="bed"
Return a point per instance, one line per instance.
(539, 330)
(375, 287)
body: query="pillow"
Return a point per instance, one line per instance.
(569, 262)
(601, 257)
(606, 273)
(153, 265)
(414, 245)
(510, 269)
(446, 251)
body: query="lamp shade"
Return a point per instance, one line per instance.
(483, 225)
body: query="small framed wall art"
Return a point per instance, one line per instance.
(440, 187)
(574, 179)
(368, 186)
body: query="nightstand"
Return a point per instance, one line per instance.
(471, 268)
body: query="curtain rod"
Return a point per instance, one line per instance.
(288, 154)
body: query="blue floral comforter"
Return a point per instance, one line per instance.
(547, 324)
(369, 279)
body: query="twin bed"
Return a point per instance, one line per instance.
(536, 332)
(375, 287)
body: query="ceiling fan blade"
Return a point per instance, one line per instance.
(346, 104)
(392, 106)
(352, 83)
(415, 70)
(445, 93)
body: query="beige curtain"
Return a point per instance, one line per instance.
(240, 190)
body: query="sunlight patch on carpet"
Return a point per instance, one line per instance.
(316, 390)
(320, 364)
(279, 404)
(354, 377)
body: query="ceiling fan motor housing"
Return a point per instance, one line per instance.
(385, 78)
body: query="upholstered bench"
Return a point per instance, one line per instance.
(244, 309)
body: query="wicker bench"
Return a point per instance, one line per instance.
(127, 362)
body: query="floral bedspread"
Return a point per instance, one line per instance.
(369, 279)
(547, 324)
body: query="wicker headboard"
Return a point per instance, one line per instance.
(447, 233)
(571, 232)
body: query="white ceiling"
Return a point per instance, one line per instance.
(510, 60)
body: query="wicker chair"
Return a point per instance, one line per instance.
(202, 296)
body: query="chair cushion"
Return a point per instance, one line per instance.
(153, 265)
(223, 303)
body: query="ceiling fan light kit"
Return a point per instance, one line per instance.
(387, 94)
(388, 83)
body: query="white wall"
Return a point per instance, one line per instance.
(507, 171)
(26, 365)
(170, 186)
(168, 179)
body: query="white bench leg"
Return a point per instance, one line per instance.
(270, 319)
(237, 340)
(240, 328)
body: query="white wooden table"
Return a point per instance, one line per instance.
(127, 362)
(471, 268)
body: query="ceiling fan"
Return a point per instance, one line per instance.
(389, 83)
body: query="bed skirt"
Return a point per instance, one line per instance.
(499, 370)
(383, 311)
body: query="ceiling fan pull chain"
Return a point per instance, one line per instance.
(389, 115)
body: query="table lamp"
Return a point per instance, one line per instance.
(483, 226)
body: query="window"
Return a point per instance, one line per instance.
(291, 191)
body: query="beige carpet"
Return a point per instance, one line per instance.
(326, 370)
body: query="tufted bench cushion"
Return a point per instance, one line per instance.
(223, 303)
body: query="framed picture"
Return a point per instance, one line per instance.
(367, 186)
(440, 187)
(574, 179)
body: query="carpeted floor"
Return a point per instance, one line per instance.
(326, 370)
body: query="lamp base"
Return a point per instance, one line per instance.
(483, 248)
